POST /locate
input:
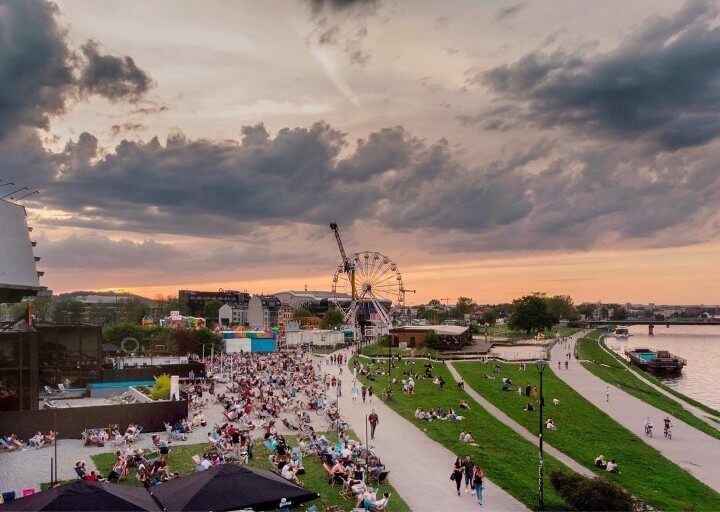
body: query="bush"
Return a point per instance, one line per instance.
(161, 388)
(432, 340)
(584, 493)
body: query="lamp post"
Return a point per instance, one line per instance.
(487, 326)
(540, 364)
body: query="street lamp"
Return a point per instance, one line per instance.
(487, 326)
(540, 364)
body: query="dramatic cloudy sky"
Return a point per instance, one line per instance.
(490, 148)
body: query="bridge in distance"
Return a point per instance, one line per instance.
(652, 323)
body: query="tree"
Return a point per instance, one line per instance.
(586, 309)
(619, 313)
(301, 313)
(489, 317)
(434, 303)
(463, 307)
(42, 309)
(530, 313)
(212, 310)
(332, 318)
(432, 340)
(69, 312)
(562, 306)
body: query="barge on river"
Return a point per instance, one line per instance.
(660, 361)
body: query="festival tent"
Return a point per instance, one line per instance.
(230, 487)
(82, 495)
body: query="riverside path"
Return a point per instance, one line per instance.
(419, 467)
(691, 449)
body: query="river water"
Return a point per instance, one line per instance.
(699, 345)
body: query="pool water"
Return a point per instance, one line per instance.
(122, 384)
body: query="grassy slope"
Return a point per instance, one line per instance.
(180, 460)
(614, 371)
(584, 432)
(509, 460)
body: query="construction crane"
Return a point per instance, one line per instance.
(348, 265)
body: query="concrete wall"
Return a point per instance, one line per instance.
(72, 421)
(150, 372)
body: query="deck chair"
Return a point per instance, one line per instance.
(62, 389)
(49, 390)
(4, 444)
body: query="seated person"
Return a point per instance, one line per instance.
(612, 467)
(80, 469)
(289, 472)
(378, 504)
(600, 462)
(506, 385)
(468, 438)
(529, 407)
(464, 404)
(368, 494)
(550, 424)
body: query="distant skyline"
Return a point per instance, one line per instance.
(491, 149)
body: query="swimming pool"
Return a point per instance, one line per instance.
(121, 384)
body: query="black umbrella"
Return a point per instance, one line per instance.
(82, 495)
(229, 487)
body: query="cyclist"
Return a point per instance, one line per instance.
(668, 427)
(648, 427)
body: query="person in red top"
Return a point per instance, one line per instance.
(374, 420)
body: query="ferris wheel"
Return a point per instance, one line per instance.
(374, 279)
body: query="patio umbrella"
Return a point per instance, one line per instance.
(229, 487)
(82, 495)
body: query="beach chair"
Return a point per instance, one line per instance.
(8, 496)
(62, 389)
(28, 492)
(49, 390)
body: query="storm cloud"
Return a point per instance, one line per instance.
(114, 78)
(40, 73)
(659, 85)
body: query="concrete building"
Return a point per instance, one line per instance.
(286, 314)
(19, 276)
(315, 337)
(229, 316)
(196, 300)
(263, 311)
(318, 302)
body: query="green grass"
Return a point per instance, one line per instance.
(315, 479)
(614, 371)
(584, 432)
(508, 460)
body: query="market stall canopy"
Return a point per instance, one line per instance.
(230, 487)
(83, 495)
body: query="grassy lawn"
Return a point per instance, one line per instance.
(615, 371)
(509, 461)
(315, 479)
(584, 432)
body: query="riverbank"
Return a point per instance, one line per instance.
(584, 432)
(616, 372)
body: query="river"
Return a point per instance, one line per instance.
(699, 345)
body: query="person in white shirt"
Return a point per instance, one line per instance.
(288, 473)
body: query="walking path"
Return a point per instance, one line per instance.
(419, 467)
(525, 433)
(691, 449)
(701, 414)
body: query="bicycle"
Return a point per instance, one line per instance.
(648, 430)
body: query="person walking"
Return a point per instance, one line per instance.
(468, 466)
(370, 393)
(566, 365)
(607, 393)
(477, 480)
(363, 392)
(374, 420)
(354, 392)
(457, 474)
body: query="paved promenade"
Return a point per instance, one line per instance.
(693, 450)
(419, 467)
(702, 415)
(525, 433)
